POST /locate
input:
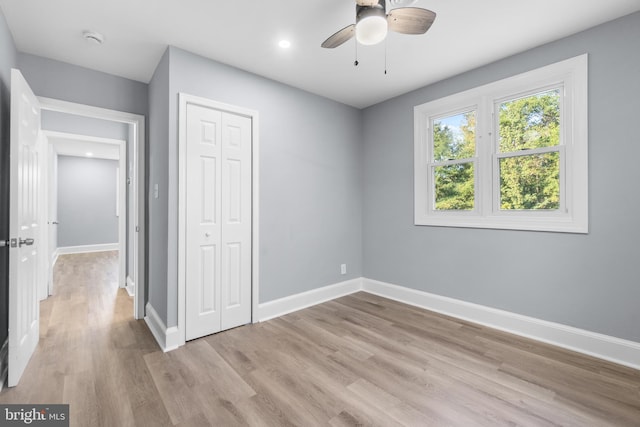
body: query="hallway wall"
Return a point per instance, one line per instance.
(87, 201)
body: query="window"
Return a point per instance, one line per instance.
(454, 158)
(511, 154)
(529, 152)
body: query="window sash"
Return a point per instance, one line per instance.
(496, 187)
(432, 187)
(516, 95)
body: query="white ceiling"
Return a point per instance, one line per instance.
(245, 34)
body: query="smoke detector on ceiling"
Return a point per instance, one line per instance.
(93, 37)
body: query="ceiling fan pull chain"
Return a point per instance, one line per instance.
(385, 57)
(355, 63)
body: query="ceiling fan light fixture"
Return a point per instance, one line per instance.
(372, 26)
(373, 23)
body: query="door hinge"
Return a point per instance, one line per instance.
(10, 242)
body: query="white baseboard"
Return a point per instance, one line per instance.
(167, 338)
(130, 286)
(282, 306)
(66, 250)
(54, 257)
(602, 346)
(4, 360)
(616, 350)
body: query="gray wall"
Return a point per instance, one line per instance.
(80, 125)
(8, 59)
(86, 201)
(310, 179)
(157, 167)
(587, 281)
(59, 80)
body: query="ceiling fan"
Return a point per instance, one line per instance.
(373, 23)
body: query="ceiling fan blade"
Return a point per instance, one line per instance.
(366, 2)
(340, 37)
(410, 20)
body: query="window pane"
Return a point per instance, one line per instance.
(454, 137)
(530, 122)
(530, 182)
(454, 187)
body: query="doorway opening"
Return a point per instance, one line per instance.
(86, 199)
(131, 170)
(27, 268)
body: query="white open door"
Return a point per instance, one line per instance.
(23, 227)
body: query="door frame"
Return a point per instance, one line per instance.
(79, 139)
(138, 122)
(44, 287)
(184, 100)
(52, 201)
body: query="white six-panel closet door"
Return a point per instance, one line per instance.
(236, 221)
(218, 221)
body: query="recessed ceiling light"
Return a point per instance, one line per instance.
(285, 44)
(93, 37)
(89, 154)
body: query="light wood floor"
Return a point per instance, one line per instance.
(357, 360)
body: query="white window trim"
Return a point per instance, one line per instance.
(572, 217)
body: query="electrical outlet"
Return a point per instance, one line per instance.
(343, 268)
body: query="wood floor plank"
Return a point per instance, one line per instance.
(359, 360)
(174, 384)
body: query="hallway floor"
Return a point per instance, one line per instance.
(91, 350)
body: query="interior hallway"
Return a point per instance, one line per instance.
(357, 360)
(91, 350)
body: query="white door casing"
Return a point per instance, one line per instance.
(132, 206)
(121, 191)
(43, 237)
(52, 186)
(24, 227)
(218, 265)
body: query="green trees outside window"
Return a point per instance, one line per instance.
(511, 154)
(528, 155)
(454, 139)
